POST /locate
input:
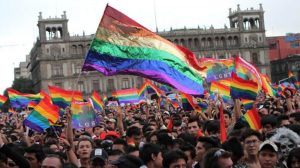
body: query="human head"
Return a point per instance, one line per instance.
(217, 158)
(99, 158)
(234, 146)
(111, 123)
(203, 145)
(98, 129)
(35, 155)
(293, 160)
(268, 124)
(251, 140)
(295, 118)
(283, 121)
(126, 161)
(190, 152)
(134, 133)
(175, 158)
(193, 126)
(119, 144)
(114, 155)
(268, 154)
(227, 118)
(84, 148)
(151, 155)
(52, 161)
(212, 128)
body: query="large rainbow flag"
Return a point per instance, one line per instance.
(127, 95)
(3, 99)
(123, 46)
(62, 97)
(244, 89)
(253, 119)
(43, 116)
(97, 102)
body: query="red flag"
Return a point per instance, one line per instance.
(170, 125)
(223, 133)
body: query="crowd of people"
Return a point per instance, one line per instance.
(152, 136)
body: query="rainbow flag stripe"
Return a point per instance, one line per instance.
(136, 50)
(148, 85)
(63, 98)
(97, 102)
(105, 99)
(43, 116)
(253, 119)
(243, 89)
(269, 90)
(290, 74)
(127, 95)
(3, 99)
(188, 103)
(223, 90)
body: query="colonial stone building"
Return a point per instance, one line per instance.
(57, 58)
(245, 37)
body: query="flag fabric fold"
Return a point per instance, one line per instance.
(253, 119)
(244, 89)
(123, 46)
(97, 102)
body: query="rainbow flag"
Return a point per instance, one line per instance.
(136, 50)
(188, 103)
(150, 87)
(243, 89)
(217, 69)
(223, 90)
(3, 99)
(97, 102)
(105, 100)
(83, 116)
(290, 74)
(127, 95)
(248, 104)
(267, 87)
(63, 98)
(247, 71)
(20, 100)
(42, 116)
(32, 104)
(253, 119)
(166, 89)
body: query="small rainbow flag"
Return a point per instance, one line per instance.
(243, 89)
(253, 119)
(247, 71)
(105, 100)
(63, 98)
(20, 100)
(223, 90)
(136, 50)
(42, 116)
(267, 87)
(97, 102)
(248, 104)
(188, 103)
(127, 95)
(150, 87)
(3, 99)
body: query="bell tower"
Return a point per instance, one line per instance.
(53, 29)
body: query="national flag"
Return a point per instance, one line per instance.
(244, 89)
(123, 46)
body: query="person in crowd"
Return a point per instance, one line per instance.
(217, 158)
(52, 161)
(190, 152)
(203, 145)
(269, 124)
(175, 159)
(151, 155)
(98, 158)
(268, 154)
(35, 155)
(293, 160)
(194, 127)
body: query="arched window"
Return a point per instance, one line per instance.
(196, 42)
(74, 49)
(80, 49)
(125, 83)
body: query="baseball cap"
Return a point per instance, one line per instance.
(111, 120)
(268, 143)
(99, 153)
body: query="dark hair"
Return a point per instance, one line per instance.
(296, 116)
(188, 138)
(126, 161)
(295, 128)
(211, 157)
(148, 137)
(194, 119)
(208, 142)
(57, 157)
(240, 124)
(37, 150)
(227, 112)
(130, 148)
(114, 152)
(147, 150)
(250, 132)
(172, 156)
(281, 118)
(269, 119)
(295, 153)
(120, 141)
(234, 146)
(189, 147)
(212, 126)
(131, 131)
(85, 139)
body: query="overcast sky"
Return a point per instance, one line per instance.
(18, 30)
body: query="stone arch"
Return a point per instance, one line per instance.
(252, 23)
(230, 40)
(196, 42)
(217, 41)
(222, 41)
(190, 43)
(203, 42)
(235, 41)
(209, 42)
(80, 49)
(176, 41)
(183, 42)
(73, 49)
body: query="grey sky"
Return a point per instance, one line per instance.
(18, 30)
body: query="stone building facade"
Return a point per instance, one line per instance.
(56, 58)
